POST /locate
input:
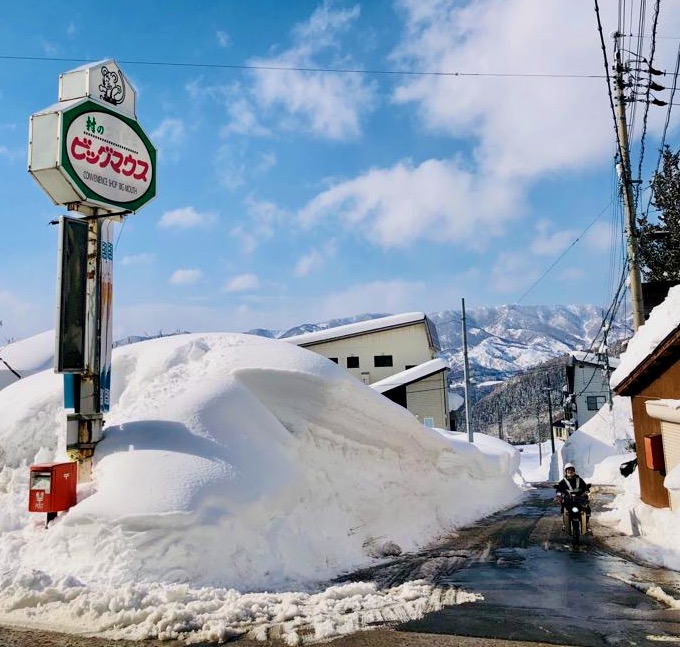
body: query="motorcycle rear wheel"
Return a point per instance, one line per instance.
(575, 531)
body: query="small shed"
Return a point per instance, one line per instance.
(649, 373)
(422, 390)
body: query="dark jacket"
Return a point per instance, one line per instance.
(575, 485)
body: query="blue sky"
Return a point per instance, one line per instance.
(292, 196)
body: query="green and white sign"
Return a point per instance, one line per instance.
(88, 152)
(108, 156)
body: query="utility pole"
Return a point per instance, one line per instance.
(538, 434)
(548, 389)
(627, 194)
(466, 373)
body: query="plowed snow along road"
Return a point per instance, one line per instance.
(537, 590)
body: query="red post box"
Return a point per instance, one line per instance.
(52, 487)
(654, 452)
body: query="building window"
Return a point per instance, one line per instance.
(382, 360)
(408, 366)
(352, 362)
(333, 359)
(595, 402)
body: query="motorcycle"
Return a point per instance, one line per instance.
(574, 514)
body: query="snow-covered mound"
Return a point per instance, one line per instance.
(26, 357)
(598, 448)
(230, 461)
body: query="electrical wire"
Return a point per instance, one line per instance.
(331, 70)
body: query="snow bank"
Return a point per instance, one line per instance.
(229, 463)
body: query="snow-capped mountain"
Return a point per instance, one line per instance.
(503, 340)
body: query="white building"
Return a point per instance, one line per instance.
(397, 353)
(587, 385)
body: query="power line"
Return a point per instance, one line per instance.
(559, 258)
(292, 68)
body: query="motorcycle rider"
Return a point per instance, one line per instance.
(572, 483)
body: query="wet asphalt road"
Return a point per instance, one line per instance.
(538, 587)
(537, 590)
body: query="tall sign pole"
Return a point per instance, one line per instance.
(90, 155)
(627, 194)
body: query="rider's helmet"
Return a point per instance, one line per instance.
(568, 466)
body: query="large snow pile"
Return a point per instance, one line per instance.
(600, 445)
(231, 464)
(26, 357)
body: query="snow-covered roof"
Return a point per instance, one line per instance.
(358, 328)
(588, 357)
(410, 375)
(664, 320)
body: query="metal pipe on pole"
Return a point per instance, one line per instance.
(627, 195)
(466, 373)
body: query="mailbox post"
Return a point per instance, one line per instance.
(52, 488)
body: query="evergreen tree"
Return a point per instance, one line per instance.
(659, 243)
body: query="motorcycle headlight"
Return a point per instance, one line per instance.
(574, 509)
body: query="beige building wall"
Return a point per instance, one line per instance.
(427, 399)
(408, 345)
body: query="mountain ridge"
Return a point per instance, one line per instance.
(502, 340)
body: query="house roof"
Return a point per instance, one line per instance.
(654, 347)
(411, 375)
(585, 357)
(364, 327)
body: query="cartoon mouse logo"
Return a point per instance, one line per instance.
(112, 87)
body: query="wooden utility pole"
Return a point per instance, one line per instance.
(466, 372)
(627, 194)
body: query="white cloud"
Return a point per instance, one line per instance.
(50, 49)
(377, 296)
(185, 218)
(231, 167)
(236, 163)
(247, 240)
(602, 236)
(186, 277)
(170, 132)
(521, 127)
(308, 262)
(138, 259)
(437, 200)
(548, 243)
(265, 217)
(328, 105)
(223, 39)
(242, 283)
(243, 119)
(513, 273)
(313, 259)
